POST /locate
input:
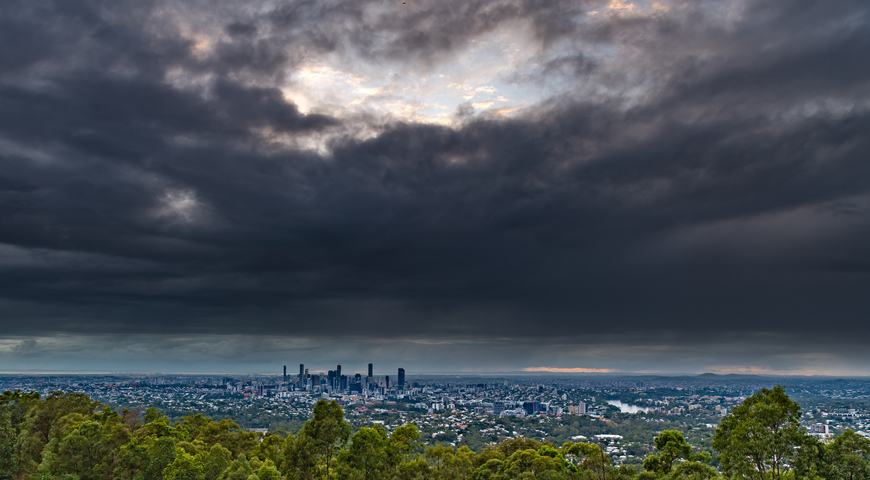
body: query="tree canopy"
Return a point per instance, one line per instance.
(67, 436)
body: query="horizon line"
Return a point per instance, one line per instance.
(542, 372)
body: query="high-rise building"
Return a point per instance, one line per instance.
(580, 409)
(338, 371)
(401, 378)
(285, 373)
(301, 375)
(387, 382)
(532, 408)
(371, 370)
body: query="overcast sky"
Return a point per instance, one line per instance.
(446, 185)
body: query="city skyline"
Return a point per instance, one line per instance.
(555, 187)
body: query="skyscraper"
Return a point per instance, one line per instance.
(301, 377)
(371, 370)
(338, 370)
(401, 379)
(285, 373)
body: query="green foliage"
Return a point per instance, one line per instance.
(367, 454)
(327, 432)
(694, 471)
(758, 439)
(671, 446)
(240, 469)
(184, 467)
(8, 463)
(161, 453)
(41, 419)
(84, 447)
(69, 437)
(268, 471)
(849, 457)
(810, 461)
(214, 462)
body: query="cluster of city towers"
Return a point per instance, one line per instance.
(334, 381)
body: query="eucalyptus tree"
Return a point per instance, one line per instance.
(758, 440)
(849, 457)
(327, 432)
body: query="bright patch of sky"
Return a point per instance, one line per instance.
(479, 77)
(499, 73)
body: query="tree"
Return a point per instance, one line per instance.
(215, 461)
(694, 471)
(161, 453)
(327, 430)
(671, 446)
(367, 453)
(184, 467)
(588, 458)
(8, 461)
(810, 460)
(272, 448)
(301, 462)
(132, 459)
(490, 470)
(268, 471)
(239, 470)
(758, 439)
(463, 462)
(402, 442)
(37, 425)
(14, 407)
(849, 457)
(78, 451)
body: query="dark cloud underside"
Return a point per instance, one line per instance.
(718, 185)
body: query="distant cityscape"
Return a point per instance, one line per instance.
(336, 382)
(378, 388)
(622, 414)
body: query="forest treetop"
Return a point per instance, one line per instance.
(71, 437)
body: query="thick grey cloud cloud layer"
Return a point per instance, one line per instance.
(700, 172)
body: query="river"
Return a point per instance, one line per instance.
(627, 408)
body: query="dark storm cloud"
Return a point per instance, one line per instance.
(725, 189)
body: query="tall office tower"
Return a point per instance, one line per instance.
(387, 382)
(301, 376)
(371, 370)
(338, 370)
(285, 373)
(401, 379)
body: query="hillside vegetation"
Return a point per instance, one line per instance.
(67, 436)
